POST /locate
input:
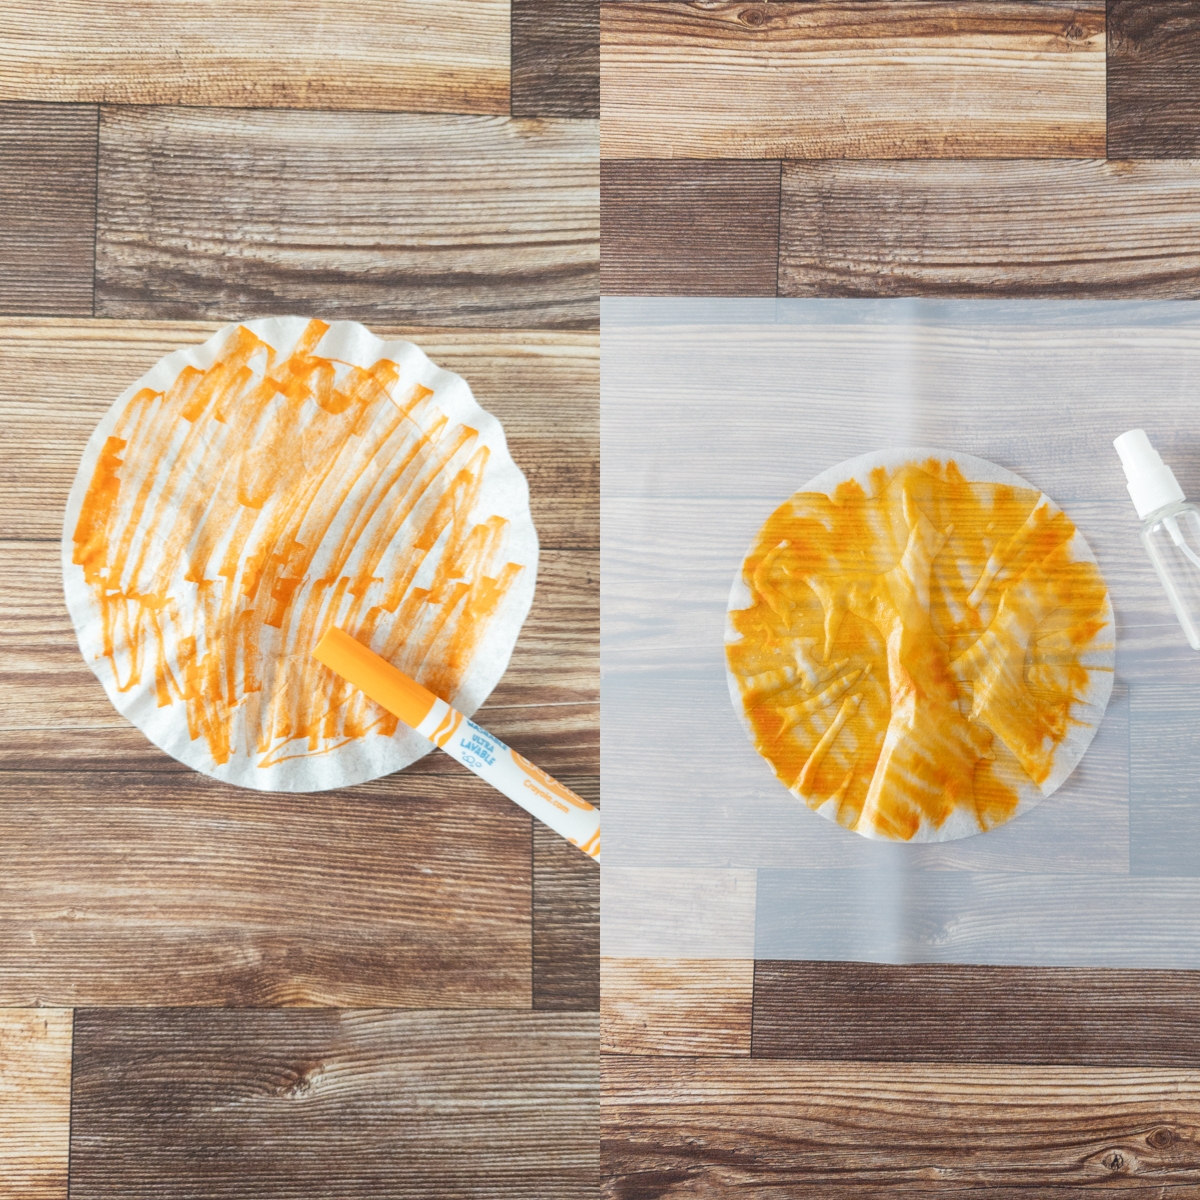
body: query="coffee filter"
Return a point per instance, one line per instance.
(246, 494)
(1098, 656)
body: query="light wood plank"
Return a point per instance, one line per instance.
(676, 1006)
(991, 229)
(458, 220)
(556, 58)
(176, 890)
(221, 1105)
(940, 78)
(1153, 79)
(46, 685)
(566, 918)
(381, 54)
(35, 1103)
(47, 207)
(58, 377)
(870, 1012)
(708, 1126)
(677, 912)
(689, 228)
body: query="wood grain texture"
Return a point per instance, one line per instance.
(566, 918)
(678, 912)
(45, 685)
(688, 228)
(1153, 78)
(35, 1103)
(940, 78)
(47, 207)
(458, 220)
(991, 229)
(58, 377)
(676, 1127)
(381, 54)
(556, 58)
(676, 1006)
(174, 890)
(960, 1014)
(360, 1104)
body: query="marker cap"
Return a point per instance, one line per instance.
(1151, 483)
(386, 685)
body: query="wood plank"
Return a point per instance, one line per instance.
(991, 229)
(688, 228)
(562, 738)
(381, 54)
(1153, 79)
(556, 58)
(58, 377)
(676, 1006)
(740, 812)
(940, 78)
(566, 917)
(675, 1127)
(424, 218)
(46, 685)
(350, 1104)
(35, 1103)
(174, 889)
(961, 1014)
(47, 207)
(677, 912)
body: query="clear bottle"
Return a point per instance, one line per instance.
(1171, 529)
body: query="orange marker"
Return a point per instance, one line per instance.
(535, 791)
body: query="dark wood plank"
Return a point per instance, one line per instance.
(676, 1006)
(169, 890)
(932, 78)
(349, 1104)
(991, 229)
(379, 54)
(1153, 78)
(47, 207)
(455, 220)
(57, 379)
(556, 58)
(962, 1014)
(566, 917)
(692, 1127)
(689, 228)
(35, 1102)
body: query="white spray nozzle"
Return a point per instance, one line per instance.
(1151, 483)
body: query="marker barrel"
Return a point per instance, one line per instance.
(508, 772)
(523, 783)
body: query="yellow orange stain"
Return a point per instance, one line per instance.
(237, 514)
(897, 633)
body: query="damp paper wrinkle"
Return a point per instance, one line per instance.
(246, 494)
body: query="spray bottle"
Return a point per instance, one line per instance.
(1171, 528)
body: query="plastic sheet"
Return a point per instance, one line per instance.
(713, 412)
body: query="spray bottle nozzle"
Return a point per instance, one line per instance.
(1150, 482)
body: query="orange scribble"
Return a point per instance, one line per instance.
(231, 518)
(896, 634)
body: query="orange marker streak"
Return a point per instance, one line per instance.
(233, 517)
(964, 623)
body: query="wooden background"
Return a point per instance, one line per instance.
(214, 992)
(943, 148)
